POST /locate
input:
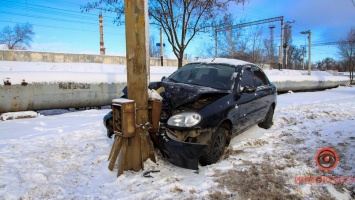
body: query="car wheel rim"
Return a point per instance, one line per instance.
(218, 147)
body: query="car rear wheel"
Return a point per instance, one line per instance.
(267, 123)
(215, 149)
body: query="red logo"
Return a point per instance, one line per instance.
(327, 159)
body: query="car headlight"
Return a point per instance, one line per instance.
(185, 119)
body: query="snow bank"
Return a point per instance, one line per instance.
(18, 115)
(91, 73)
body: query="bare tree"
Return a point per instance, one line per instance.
(18, 37)
(326, 64)
(347, 52)
(256, 44)
(295, 57)
(181, 20)
(230, 41)
(110, 6)
(154, 50)
(206, 49)
(269, 51)
(288, 50)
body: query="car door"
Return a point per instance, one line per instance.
(263, 93)
(246, 100)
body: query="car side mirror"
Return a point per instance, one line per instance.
(248, 89)
(163, 78)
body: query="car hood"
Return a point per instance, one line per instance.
(177, 94)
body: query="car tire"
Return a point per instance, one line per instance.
(215, 149)
(267, 123)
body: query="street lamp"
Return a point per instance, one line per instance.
(309, 32)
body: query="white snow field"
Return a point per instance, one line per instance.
(64, 156)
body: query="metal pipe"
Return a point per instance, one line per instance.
(161, 47)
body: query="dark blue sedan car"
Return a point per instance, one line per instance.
(205, 104)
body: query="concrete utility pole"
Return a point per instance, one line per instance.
(303, 52)
(309, 32)
(272, 47)
(281, 38)
(102, 47)
(161, 47)
(287, 34)
(309, 51)
(216, 45)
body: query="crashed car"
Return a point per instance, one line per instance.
(205, 104)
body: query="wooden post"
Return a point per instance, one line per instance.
(130, 116)
(139, 147)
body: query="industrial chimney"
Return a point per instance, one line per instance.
(102, 48)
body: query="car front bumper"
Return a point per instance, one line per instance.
(181, 154)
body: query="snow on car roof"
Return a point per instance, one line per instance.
(222, 60)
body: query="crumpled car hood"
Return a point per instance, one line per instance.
(177, 94)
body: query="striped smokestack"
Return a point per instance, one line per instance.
(102, 47)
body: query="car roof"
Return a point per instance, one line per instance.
(234, 62)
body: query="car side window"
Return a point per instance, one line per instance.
(260, 78)
(247, 79)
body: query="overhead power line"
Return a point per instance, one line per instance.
(327, 43)
(42, 10)
(59, 27)
(52, 9)
(66, 15)
(47, 18)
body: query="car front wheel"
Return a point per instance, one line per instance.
(215, 148)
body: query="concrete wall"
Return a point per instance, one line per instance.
(32, 56)
(42, 96)
(305, 85)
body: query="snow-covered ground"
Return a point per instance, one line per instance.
(64, 156)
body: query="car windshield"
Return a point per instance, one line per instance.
(216, 76)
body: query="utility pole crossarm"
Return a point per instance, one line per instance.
(263, 21)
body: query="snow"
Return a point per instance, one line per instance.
(17, 115)
(95, 73)
(222, 60)
(154, 95)
(121, 100)
(64, 156)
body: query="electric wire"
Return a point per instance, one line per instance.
(45, 13)
(66, 28)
